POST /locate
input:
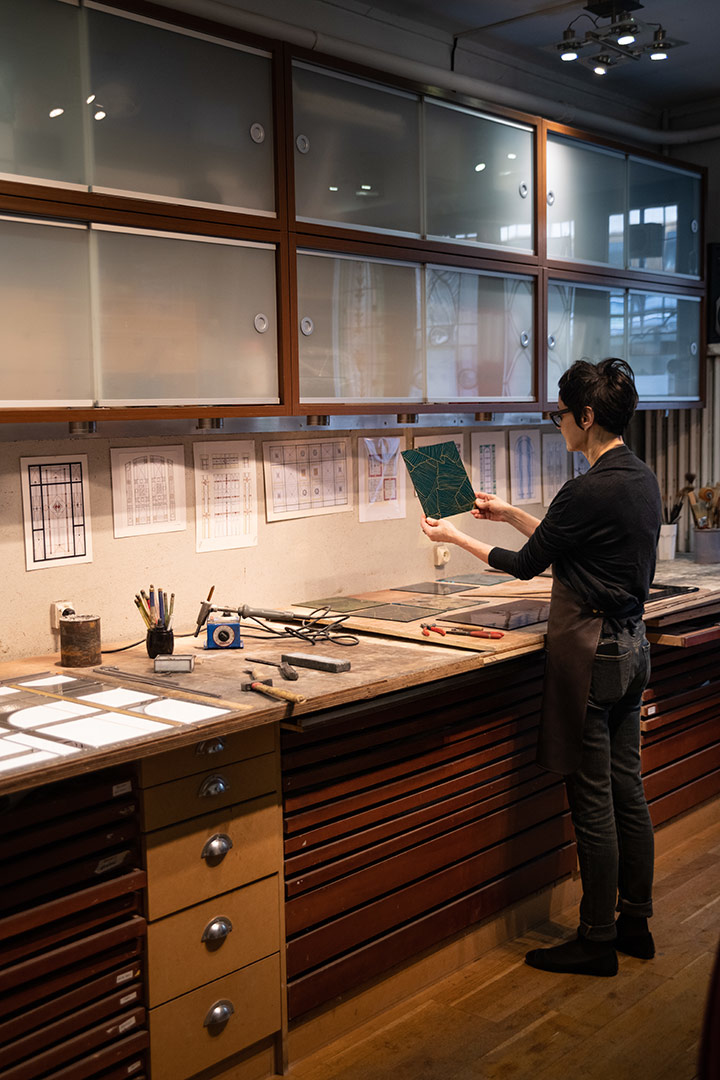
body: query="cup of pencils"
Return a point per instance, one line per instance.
(157, 614)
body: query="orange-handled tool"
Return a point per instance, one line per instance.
(426, 628)
(478, 633)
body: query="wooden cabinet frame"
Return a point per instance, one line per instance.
(43, 200)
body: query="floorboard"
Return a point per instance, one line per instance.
(498, 1018)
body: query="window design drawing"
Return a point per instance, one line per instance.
(150, 490)
(56, 510)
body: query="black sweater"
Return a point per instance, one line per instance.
(600, 535)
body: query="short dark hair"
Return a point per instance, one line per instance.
(608, 387)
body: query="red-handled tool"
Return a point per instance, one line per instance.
(426, 628)
(478, 633)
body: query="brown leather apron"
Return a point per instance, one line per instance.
(572, 640)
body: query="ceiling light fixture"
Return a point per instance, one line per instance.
(615, 36)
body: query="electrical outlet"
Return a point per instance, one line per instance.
(58, 609)
(441, 555)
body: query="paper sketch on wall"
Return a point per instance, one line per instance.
(304, 478)
(554, 465)
(148, 490)
(489, 462)
(225, 495)
(56, 510)
(381, 486)
(525, 466)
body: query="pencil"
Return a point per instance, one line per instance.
(142, 611)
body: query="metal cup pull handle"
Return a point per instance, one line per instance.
(216, 847)
(210, 746)
(213, 785)
(217, 929)
(220, 1013)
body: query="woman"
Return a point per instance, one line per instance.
(600, 535)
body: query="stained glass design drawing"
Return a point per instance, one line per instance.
(148, 485)
(56, 510)
(381, 492)
(306, 478)
(439, 477)
(554, 465)
(225, 495)
(525, 466)
(489, 456)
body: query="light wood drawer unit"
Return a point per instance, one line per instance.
(178, 874)
(253, 918)
(210, 753)
(180, 1042)
(197, 794)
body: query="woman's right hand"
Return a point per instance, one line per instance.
(490, 507)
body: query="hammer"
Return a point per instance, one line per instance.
(265, 686)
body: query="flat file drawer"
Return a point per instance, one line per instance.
(206, 754)
(180, 1044)
(179, 876)
(253, 915)
(198, 794)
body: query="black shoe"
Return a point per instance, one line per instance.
(634, 938)
(576, 957)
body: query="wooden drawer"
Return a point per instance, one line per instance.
(178, 875)
(181, 1046)
(254, 916)
(197, 794)
(208, 754)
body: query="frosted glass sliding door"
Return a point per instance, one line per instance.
(357, 153)
(183, 118)
(45, 353)
(41, 103)
(664, 219)
(184, 321)
(359, 332)
(663, 345)
(584, 323)
(586, 202)
(479, 178)
(479, 336)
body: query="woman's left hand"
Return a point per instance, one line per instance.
(440, 530)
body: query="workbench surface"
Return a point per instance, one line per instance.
(380, 665)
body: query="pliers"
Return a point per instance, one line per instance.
(427, 627)
(477, 633)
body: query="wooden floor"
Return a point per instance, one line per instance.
(500, 1018)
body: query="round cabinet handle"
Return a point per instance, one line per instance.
(220, 1013)
(551, 342)
(303, 144)
(257, 133)
(217, 929)
(261, 322)
(210, 746)
(307, 326)
(524, 339)
(523, 190)
(213, 785)
(216, 847)
(550, 198)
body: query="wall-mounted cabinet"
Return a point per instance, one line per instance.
(618, 210)
(195, 218)
(658, 333)
(374, 330)
(120, 105)
(120, 316)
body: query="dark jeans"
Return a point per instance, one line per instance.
(607, 802)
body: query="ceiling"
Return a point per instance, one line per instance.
(527, 30)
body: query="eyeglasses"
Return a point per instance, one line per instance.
(556, 417)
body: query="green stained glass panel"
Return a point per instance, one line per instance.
(440, 480)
